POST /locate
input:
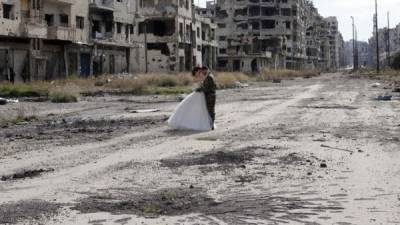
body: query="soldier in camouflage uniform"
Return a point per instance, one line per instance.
(208, 87)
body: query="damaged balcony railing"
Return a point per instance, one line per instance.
(61, 33)
(102, 4)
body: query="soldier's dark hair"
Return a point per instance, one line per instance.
(197, 68)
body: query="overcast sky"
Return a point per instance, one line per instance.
(362, 10)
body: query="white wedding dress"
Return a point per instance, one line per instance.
(191, 114)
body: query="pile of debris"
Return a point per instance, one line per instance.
(4, 101)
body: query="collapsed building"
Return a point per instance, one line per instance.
(253, 34)
(389, 45)
(177, 38)
(49, 39)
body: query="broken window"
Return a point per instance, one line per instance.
(158, 27)
(109, 26)
(268, 11)
(163, 47)
(95, 28)
(255, 25)
(287, 24)
(80, 22)
(8, 11)
(221, 25)
(64, 20)
(188, 32)
(243, 26)
(285, 12)
(119, 28)
(49, 19)
(181, 30)
(254, 11)
(268, 24)
(35, 4)
(240, 12)
(221, 14)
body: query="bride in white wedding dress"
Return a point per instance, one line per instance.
(191, 114)
(197, 111)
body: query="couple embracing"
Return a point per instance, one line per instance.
(197, 111)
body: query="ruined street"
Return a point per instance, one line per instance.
(304, 151)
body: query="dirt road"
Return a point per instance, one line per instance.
(306, 151)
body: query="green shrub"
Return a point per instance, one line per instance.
(63, 98)
(396, 62)
(22, 90)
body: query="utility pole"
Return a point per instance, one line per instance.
(145, 47)
(388, 38)
(377, 37)
(354, 45)
(356, 56)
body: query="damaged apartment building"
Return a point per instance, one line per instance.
(175, 37)
(253, 34)
(49, 39)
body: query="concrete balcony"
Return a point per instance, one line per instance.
(34, 30)
(102, 5)
(63, 2)
(9, 27)
(61, 33)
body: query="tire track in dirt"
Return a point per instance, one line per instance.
(69, 178)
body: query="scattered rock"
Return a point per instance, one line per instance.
(3, 101)
(384, 98)
(26, 174)
(219, 157)
(245, 179)
(276, 81)
(375, 85)
(145, 110)
(323, 165)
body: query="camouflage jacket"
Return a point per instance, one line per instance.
(208, 86)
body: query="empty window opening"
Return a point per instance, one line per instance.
(268, 24)
(163, 47)
(80, 22)
(8, 11)
(64, 20)
(158, 27)
(49, 19)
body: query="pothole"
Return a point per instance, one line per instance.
(218, 157)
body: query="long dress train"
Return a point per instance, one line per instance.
(191, 114)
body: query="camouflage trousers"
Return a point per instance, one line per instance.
(210, 102)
